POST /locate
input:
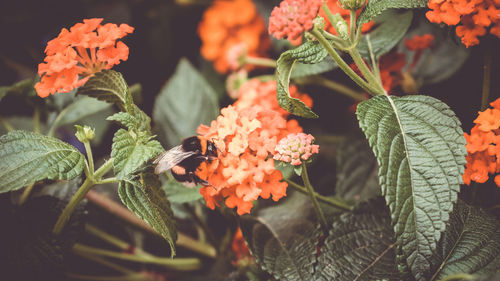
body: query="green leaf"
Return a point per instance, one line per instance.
(470, 244)
(178, 193)
(185, 102)
(360, 246)
(131, 151)
(107, 85)
(283, 239)
(375, 7)
(310, 52)
(24, 87)
(20, 123)
(303, 69)
(391, 27)
(126, 119)
(357, 170)
(420, 148)
(145, 198)
(81, 108)
(29, 157)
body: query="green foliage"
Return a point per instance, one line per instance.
(304, 69)
(23, 87)
(145, 198)
(81, 108)
(127, 120)
(107, 85)
(310, 52)
(470, 244)
(29, 157)
(178, 193)
(420, 148)
(185, 102)
(357, 170)
(391, 27)
(375, 7)
(130, 151)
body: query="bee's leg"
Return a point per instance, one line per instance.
(199, 180)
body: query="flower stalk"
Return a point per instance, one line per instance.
(312, 195)
(332, 201)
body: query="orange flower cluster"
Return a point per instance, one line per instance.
(230, 22)
(76, 54)
(239, 246)
(247, 132)
(475, 17)
(335, 8)
(419, 42)
(483, 146)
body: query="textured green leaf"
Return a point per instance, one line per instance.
(143, 122)
(126, 119)
(375, 7)
(470, 244)
(360, 246)
(131, 151)
(145, 198)
(28, 157)
(420, 148)
(283, 239)
(80, 109)
(357, 170)
(310, 52)
(185, 102)
(392, 25)
(303, 69)
(107, 85)
(178, 193)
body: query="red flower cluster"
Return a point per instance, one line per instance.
(421, 42)
(292, 18)
(475, 17)
(483, 146)
(247, 132)
(76, 54)
(228, 23)
(239, 246)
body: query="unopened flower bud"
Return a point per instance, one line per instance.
(319, 23)
(342, 29)
(84, 134)
(234, 82)
(352, 4)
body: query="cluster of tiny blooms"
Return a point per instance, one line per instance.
(419, 42)
(483, 147)
(76, 54)
(335, 8)
(296, 148)
(474, 17)
(292, 18)
(247, 134)
(227, 23)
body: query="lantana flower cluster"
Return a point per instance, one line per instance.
(229, 23)
(76, 54)
(471, 17)
(296, 148)
(483, 147)
(247, 133)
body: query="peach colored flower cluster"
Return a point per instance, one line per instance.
(76, 54)
(483, 146)
(292, 18)
(474, 17)
(227, 23)
(246, 133)
(296, 148)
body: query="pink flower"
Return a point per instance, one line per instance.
(292, 18)
(296, 148)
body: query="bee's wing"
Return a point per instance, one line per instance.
(170, 158)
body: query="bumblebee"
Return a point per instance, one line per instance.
(184, 159)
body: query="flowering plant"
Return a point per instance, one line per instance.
(312, 140)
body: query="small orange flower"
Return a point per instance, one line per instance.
(335, 7)
(247, 133)
(483, 146)
(76, 54)
(475, 17)
(419, 42)
(239, 246)
(228, 23)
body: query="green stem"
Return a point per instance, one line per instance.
(332, 201)
(54, 125)
(367, 74)
(341, 63)
(260, 61)
(486, 77)
(107, 263)
(352, 25)
(328, 13)
(375, 67)
(110, 239)
(130, 277)
(108, 180)
(26, 193)
(330, 84)
(182, 264)
(6, 124)
(79, 195)
(88, 149)
(36, 120)
(312, 195)
(459, 276)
